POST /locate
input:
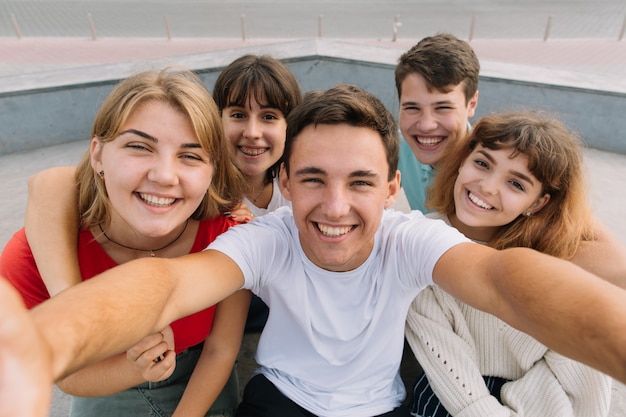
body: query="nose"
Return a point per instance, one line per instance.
(252, 129)
(488, 184)
(336, 202)
(164, 171)
(427, 121)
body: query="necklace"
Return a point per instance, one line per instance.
(255, 198)
(152, 251)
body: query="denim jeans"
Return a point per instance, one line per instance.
(158, 399)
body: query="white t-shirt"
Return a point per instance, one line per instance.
(276, 201)
(333, 341)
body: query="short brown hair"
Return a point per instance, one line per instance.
(345, 104)
(444, 61)
(266, 79)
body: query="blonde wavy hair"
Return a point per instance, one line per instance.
(184, 91)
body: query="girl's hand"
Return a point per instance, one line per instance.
(241, 214)
(154, 356)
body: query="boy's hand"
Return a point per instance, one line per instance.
(25, 369)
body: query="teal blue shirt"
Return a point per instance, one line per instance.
(416, 177)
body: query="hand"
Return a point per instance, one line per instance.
(154, 356)
(25, 368)
(241, 214)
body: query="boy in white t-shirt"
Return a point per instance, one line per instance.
(338, 272)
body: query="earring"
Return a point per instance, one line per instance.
(101, 173)
(528, 213)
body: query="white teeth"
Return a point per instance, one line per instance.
(252, 151)
(333, 231)
(429, 141)
(157, 201)
(479, 202)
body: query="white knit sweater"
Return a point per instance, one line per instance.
(457, 344)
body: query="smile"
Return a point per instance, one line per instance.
(333, 231)
(252, 151)
(480, 203)
(430, 141)
(156, 201)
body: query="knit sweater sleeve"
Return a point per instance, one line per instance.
(443, 345)
(558, 386)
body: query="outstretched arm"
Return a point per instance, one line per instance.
(52, 223)
(564, 307)
(107, 314)
(25, 383)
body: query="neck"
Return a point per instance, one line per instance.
(478, 234)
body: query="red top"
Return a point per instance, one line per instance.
(17, 264)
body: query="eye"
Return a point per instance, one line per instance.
(192, 156)
(270, 116)
(237, 115)
(137, 146)
(481, 163)
(362, 183)
(517, 185)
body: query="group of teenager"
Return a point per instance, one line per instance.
(188, 206)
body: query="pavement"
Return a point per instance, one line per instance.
(581, 37)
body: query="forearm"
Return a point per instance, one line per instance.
(218, 357)
(84, 324)
(562, 306)
(207, 382)
(51, 224)
(109, 313)
(106, 377)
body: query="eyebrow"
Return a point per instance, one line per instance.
(155, 140)
(436, 103)
(516, 173)
(319, 171)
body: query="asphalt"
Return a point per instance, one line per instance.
(580, 37)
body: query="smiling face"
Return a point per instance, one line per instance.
(338, 192)
(257, 135)
(492, 189)
(155, 172)
(432, 121)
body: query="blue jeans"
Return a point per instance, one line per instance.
(158, 399)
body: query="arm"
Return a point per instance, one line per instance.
(107, 314)
(217, 358)
(51, 223)
(537, 294)
(605, 256)
(557, 386)
(24, 372)
(126, 370)
(439, 336)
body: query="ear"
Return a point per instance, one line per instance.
(95, 153)
(393, 190)
(539, 203)
(471, 105)
(283, 182)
